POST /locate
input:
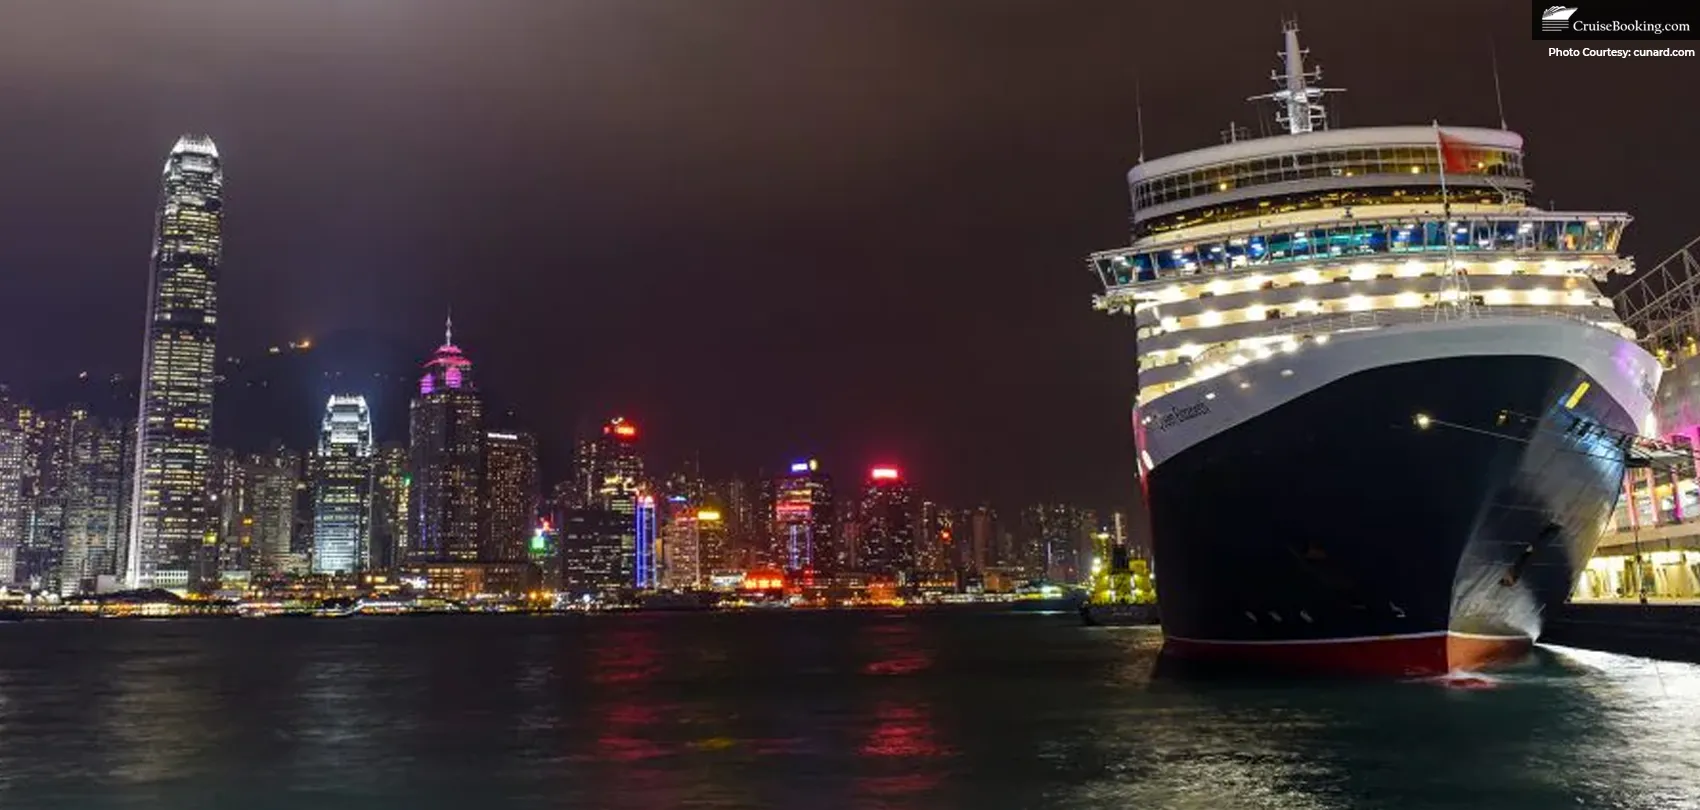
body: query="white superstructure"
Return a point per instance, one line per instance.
(1250, 256)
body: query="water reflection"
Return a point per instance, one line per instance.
(901, 710)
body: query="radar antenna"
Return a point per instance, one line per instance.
(1300, 107)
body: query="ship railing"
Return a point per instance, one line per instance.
(1523, 235)
(1306, 330)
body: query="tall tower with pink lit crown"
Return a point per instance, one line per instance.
(446, 452)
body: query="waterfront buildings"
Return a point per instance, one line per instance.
(174, 427)
(511, 495)
(342, 488)
(446, 457)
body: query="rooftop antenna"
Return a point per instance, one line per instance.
(1139, 119)
(1493, 54)
(1301, 108)
(449, 328)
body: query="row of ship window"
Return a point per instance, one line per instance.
(1515, 235)
(1388, 160)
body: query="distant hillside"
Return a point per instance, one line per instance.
(278, 394)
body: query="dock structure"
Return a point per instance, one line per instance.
(1651, 550)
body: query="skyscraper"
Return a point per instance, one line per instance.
(681, 547)
(14, 507)
(390, 503)
(47, 463)
(174, 428)
(511, 495)
(275, 478)
(888, 523)
(94, 502)
(342, 487)
(446, 457)
(802, 518)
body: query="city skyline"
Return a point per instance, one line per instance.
(851, 215)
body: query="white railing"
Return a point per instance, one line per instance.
(1308, 329)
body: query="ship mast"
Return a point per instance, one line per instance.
(1300, 107)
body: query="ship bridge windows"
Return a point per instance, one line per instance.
(1471, 235)
(1359, 195)
(1329, 163)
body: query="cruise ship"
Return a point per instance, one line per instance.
(1383, 408)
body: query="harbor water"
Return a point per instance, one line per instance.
(876, 709)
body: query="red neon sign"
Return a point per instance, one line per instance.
(883, 474)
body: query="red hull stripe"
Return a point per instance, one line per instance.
(1419, 655)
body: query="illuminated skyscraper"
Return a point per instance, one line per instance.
(446, 456)
(802, 518)
(47, 463)
(94, 501)
(14, 507)
(275, 479)
(511, 495)
(174, 429)
(681, 547)
(390, 504)
(342, 487)
(887, 523)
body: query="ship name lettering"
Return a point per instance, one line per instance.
(1177, 414)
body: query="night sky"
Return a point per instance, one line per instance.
(762, 228)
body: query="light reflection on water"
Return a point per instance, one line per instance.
(815, 710)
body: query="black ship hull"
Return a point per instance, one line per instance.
(1405, 520)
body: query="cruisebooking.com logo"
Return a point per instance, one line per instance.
(1604, 20)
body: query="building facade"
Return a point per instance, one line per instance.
(170, 518)
(342, 488)
(511, 495)
(887, 518)
(802, 518)
(95, 501)
(391, 482)
(446, 458)
(14, 505)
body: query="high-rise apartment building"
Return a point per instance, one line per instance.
(887, 517)
(802, 518)
(511, 495)
(446, 458)
(342, 487)
(170, 518)
(390, 503)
